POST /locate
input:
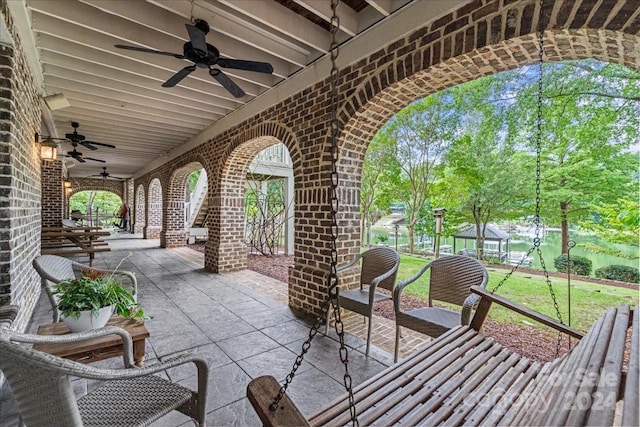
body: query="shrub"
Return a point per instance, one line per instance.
(623, 273)
(580, 265)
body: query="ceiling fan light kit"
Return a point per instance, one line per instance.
(204, 55)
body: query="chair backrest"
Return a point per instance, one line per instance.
(452, 276)
(53, 269)
(378, 261)
(44, 396)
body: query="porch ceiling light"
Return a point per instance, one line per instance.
(48, 149)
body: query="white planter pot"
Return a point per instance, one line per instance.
(88, 321)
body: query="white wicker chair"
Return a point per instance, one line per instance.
(54, 269)
(128, 397)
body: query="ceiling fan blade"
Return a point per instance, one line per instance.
(78, 158)
(177, 77)
(225, 81)
(197, 38)
(239, 64)
(89, 145)
(95, 160)
(144, 49)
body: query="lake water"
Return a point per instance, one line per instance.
(550, 248)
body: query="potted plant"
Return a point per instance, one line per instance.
(89, 301)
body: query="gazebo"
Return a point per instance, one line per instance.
(492, 234)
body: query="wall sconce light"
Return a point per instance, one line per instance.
(67, 184)
(48, 150)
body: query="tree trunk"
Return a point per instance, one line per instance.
(564, 227)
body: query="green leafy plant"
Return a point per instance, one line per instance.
(622, 273)
(579, 265)
(92, 291)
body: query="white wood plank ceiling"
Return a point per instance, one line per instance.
(116, 95)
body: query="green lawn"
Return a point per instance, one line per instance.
(588, 300)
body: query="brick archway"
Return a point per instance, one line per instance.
(225, 250)
(173, 232)
(153, 226)
(89, 184)
(374, 109)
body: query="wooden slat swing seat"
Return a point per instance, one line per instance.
(464, 377)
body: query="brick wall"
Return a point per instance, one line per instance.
(53, 195)
(138, 214)
(19, 178)
(154, 213)
(481, 38)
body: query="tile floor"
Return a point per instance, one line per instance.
(240, 329)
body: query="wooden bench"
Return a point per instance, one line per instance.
(72, 241)
(465, 378)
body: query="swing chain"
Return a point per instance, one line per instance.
(538, 184)
(332, 280)
(305, 347)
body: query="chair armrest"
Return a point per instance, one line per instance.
(487, 298)
(349, 264)
(90, 372)
(374, 283)
(467, 307)
(397, 291)
(127, 343)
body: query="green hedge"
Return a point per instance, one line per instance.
(623, 273)
(580, 265)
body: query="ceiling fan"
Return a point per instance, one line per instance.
(104, 174)
(77, 155)
(75, 138)
(204, 55)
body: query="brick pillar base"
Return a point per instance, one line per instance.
(225, 258)
(173, 239)
(307, 288)
(152, 232)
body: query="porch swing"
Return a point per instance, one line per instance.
(464, 377)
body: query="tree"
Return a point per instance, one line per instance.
(485, 170)
(616, 223)
(375, 192)
(421, 134)
(586, 136)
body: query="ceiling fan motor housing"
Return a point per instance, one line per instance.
(202, 61)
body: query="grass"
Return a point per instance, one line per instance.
(588, 300)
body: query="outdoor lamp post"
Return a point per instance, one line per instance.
(438, 213)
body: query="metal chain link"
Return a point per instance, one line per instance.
(332, 277)
(536, 220)
(324, 311)
(332, 281)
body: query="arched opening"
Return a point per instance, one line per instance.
(182, 185)
(94, 208)
(153, 227)
(244, 179)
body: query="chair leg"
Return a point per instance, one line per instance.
(326, 326)
(395, 353)
(369, 336)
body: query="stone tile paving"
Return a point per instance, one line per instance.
(238, 322)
